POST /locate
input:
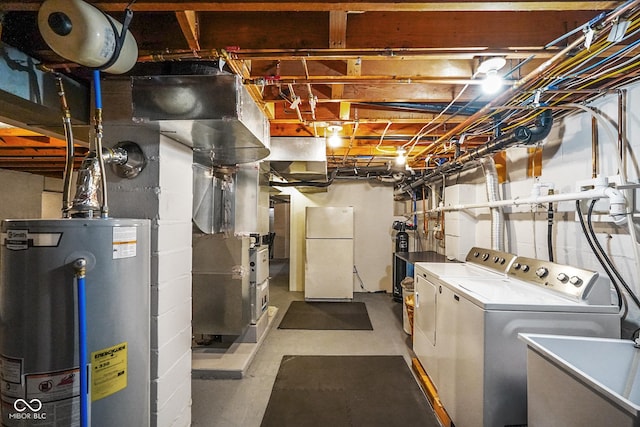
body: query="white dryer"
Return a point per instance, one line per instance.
(481, 263)
(478, 363)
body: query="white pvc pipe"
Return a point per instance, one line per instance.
(623, 174)
(618, 202)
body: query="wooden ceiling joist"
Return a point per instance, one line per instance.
(271, 6)
(188, 20)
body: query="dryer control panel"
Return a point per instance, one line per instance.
(491, 259)
(565, 279)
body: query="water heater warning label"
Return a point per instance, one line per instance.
(125, 241)
(108, 371)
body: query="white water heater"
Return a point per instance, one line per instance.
(39, 326)
(81, 33)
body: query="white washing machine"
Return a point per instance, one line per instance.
(481, 263)
(470, 348)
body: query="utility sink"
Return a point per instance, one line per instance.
(582, 381)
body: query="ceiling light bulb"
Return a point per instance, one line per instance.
(492, 83)
(401, 159)
(334, 139)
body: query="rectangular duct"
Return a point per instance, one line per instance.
(299, 159)
(214, 114)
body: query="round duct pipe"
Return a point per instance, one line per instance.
(493, 195)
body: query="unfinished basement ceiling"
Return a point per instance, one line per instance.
(381, 72)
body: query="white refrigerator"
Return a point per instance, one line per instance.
(328, 271)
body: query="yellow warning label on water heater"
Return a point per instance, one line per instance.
(108, 371)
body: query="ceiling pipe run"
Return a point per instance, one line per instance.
(522, 84)
(521, 135)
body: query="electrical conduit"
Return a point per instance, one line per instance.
(80, 266)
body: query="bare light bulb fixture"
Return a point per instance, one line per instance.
(493, 82)
(334, 140)
(401, 159)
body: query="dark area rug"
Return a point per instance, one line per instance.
(336, 391)
(326, 316)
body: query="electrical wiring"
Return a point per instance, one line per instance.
(355, 271)
(605, 63)
(582, 68)
(632, 31)
(622, 303)
(377, 147)
(424, 130)
(606, 257)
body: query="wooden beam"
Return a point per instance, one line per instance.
(188, 20)
(337, 40)
(31, 141)
(278, 6)
(15, 131)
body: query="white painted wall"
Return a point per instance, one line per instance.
(373, 242)
(567, 159)
(22, 195)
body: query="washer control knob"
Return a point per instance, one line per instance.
(541, 272)
(476, 254)
(496, 259)
(485, 256)
(563, 277)
(516, 265)
(502, 260)
(575, 281)
(525, 267)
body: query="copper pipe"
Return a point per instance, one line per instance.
(594, 148)
(622, 124)
(353, 136)
(332, 80)
(526, 80)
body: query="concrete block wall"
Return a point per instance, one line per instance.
(163, 194)
(171, 290)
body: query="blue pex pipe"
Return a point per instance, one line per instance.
(82, 343)
(97, 88)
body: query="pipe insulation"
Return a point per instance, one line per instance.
(493, 195)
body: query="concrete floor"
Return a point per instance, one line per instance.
(241, 403)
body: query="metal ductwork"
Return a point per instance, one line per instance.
(521, 135)
(493, 195)
(29, 96)
(299, 159)
(214, 114)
